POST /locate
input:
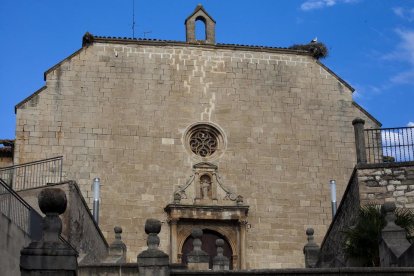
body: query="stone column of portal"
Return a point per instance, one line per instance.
(50, 255)
(243, 225)
(173, 238)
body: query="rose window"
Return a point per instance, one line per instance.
(205, 141)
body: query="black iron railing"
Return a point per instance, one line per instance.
(389, 145)
(19, 212)
(33, 174)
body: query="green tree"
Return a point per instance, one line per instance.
(361, 241)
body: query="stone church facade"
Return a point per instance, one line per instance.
(238, 140)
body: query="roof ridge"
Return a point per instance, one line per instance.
(184, 42)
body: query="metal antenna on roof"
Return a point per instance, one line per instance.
(133, 18)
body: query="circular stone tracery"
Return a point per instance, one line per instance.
(203, 143)
(204, 140)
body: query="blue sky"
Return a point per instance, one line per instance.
(371, 42)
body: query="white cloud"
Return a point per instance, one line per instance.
(410, 124)
(398, 144)
(363, 91)
(319, 4)
(407, 44)
(406, 14)
(406, 77)
(404, 53)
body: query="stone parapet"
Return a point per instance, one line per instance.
(387, 182)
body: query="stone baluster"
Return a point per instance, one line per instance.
(358, 124)
(393, 242)
(311, 250)
(50, 255)
(117, 249)
(153, 261)
(220, 262)
(198, 259)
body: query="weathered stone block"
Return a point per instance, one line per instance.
(390, 188)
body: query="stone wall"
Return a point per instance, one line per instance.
(12, 240)
(131, 269)
(331, 254)
(79, 229)
(377, 271)
(6, 152)
(387, 182)
(6, 160)
(118, 110)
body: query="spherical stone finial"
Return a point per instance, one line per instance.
(220, 242)
(388, 207)
(118, 230)
(309, 231)
(197, 233)
(152, 226)
(52, 200)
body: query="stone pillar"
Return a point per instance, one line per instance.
(393, 242)
(220, 262)
(311, 250)
(173, 240)
(153, 262)
(49, 255)
(358, 124)
(243, 230)
(117, 249)
(198, 259)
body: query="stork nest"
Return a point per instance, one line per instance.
(317, 49)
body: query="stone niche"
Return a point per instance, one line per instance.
(204, 202)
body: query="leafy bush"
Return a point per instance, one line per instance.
(362, 240)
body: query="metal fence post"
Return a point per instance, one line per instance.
(358, 124)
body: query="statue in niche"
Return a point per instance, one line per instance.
(205, 184)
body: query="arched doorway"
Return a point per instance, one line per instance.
(208, 245)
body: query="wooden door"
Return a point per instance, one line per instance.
(208, 245)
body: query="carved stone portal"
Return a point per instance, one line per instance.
(204, 202)
(228, 221)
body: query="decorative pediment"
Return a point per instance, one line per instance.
(205, 166)
(205, 187)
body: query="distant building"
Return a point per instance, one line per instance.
(238, 140)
